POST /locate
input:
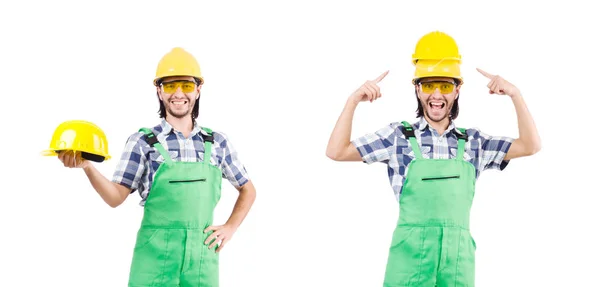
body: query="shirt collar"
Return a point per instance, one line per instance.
(423, 124)
(167, 128)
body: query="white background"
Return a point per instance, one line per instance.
(277, 76)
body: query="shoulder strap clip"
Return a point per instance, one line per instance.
(407, 130)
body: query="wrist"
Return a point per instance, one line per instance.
(351, 102)
(231, 225)
(516, 95)
(87, 167)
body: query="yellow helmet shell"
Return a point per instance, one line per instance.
(82, 136)
(178, 62)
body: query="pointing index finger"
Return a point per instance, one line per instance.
(378, 79)
(486, 74)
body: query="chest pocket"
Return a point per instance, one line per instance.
(425, 150)
(468, 155)
(212, 158)
(156, 158)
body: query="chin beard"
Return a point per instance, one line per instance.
(179, 115)
(447, 115)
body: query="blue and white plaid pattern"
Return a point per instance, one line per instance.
(139, 161)
(389, 145)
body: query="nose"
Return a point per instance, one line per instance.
(178, 92)
(437, 93)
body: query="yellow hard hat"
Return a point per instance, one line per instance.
(178, 62)
(436, 55)
(81, 136)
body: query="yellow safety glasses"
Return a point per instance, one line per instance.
(429, 87)
(171, 87)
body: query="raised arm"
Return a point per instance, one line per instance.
(340, 147)
(528, 142)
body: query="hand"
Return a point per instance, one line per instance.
(221, 233)
(72, 159)
(498, 85)
(369, 91)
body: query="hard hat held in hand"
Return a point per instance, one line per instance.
(436, 55)
(178, 62)
(80, 136)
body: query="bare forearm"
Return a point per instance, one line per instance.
(111, 193)
(528, 133)
(242, 205)
(340, 136)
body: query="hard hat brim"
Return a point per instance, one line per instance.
(86, 154)
(200, 79)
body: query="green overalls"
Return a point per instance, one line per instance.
(170, 249)
(432, 244)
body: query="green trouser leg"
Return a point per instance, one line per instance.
(170, 249)
(432, 245)
(431, 256)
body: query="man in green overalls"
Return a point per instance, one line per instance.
(177, 168)
(433, 166)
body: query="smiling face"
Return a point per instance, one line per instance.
(437, 97)
(178, 95)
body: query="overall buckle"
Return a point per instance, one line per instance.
(461, 136)
(151, 140)
(408, 132)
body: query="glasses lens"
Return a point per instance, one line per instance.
(186, 86)
(445, 87)
(428, 88)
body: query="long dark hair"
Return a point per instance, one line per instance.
(162, 111)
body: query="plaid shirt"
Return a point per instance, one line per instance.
(139, 161)
(389, 145)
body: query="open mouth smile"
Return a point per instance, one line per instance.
(437, 105)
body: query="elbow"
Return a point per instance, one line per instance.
(248, 190)
(114, 204)
(332, 154)
(528, 147)
(533, 148)
(537, 146)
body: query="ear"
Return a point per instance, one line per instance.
(418, 93)
(158, 93)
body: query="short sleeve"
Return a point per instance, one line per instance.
(231, 166)
(130, 167)
(493, 150)
(377, 146)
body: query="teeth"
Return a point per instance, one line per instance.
(178, 103)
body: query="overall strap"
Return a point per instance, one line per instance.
(462, 137)
(409, 132)
(208, 142)
(151, 139)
